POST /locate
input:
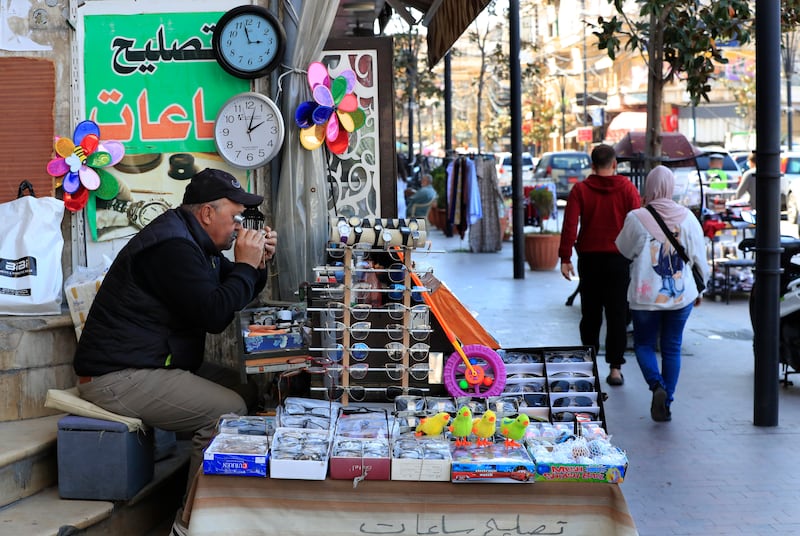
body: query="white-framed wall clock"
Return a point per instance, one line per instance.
(248, 41)
(249, 130)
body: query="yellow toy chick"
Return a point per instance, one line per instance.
(513, 429)
(484, 428)
(434, 425)
(462, 426)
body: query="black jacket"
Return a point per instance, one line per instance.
(166, 289)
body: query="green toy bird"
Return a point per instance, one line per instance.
(484, 428)
(513, 429)
(462, 426)
(434, 425)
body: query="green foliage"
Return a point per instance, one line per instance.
(690, 32)
(439, 175)
(542, 201)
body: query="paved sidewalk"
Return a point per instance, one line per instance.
(710, 471)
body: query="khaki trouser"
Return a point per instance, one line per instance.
(171, 399)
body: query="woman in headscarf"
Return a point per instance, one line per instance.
(662, 290)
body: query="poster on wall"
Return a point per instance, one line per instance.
(149, 80)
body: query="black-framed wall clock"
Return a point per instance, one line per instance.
(249, 130)
(248, 41)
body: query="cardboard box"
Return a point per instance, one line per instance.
(360, 458)
(299, 454)
(495, 463)
(235, 454)
(80, 290)
(574, 472)
(421, 459)
(266, 343)
(578, 459)
(361, 445)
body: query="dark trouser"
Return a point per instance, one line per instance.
(604, 288)
(172, 399)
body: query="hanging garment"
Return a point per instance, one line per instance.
(463, 196)
(485, 234)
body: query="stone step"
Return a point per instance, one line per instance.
(28, 457)
(45, 513)
(35, 355)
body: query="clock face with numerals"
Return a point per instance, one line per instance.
(248, 41)
(249, 130)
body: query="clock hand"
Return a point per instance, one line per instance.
(255, 126)
(250, 123)
(247, 34)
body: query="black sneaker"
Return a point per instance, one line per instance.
(658, 408)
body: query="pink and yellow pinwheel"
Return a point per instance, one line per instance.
(80, 161)
(333, 114)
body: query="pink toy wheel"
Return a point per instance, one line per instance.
(488, 377)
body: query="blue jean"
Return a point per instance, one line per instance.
(666, 329)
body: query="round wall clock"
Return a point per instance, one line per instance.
(249, 130)
(248, 41)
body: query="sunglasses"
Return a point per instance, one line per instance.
(504, 405)
(568, 401)
(563, 386)
(521, 388)
(356, 393)
(516, 358)
(569, 416)
(569, 374)
(565, 358)
(359, 351)
(535, 400)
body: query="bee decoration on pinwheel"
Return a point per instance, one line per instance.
(80, 162)
(333, 114)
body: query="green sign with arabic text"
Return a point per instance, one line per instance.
(151, 80)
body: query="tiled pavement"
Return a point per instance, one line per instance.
(710, 471)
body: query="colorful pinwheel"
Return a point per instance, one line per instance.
(333, 114)
(79, 165)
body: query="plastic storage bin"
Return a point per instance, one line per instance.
(102, 460)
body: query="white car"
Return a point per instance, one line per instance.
(503, 161)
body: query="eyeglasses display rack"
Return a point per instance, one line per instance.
(368, 325)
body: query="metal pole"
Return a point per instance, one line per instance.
(766, 291)
(517, 207)
(585, 74)
(448, 107)
(410, 61)
(562, 82)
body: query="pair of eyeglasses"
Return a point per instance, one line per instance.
(393, 391)
(568, 401)
(357, 371)
(564, 386)
(418, 371)
(419, 313)
(418, 351)
(569, 416)
(523, 376)
(358, 330)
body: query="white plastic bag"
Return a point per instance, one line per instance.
(31, 242)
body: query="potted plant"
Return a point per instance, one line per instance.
(541, 247)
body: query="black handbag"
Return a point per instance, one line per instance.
(696, 272)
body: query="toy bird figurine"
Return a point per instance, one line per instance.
(484, 428)
(434, 425)
(513, 429)
(462, 426)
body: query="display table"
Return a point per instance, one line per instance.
(250, 506)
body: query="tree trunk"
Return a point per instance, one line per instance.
(655, 91)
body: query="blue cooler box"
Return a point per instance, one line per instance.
(102, 460)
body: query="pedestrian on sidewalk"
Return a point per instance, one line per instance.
(598, 206)
(662, 290)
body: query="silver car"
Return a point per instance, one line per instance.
(565, 168)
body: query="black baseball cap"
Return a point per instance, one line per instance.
(212, 184)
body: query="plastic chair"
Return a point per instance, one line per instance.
(420, 210)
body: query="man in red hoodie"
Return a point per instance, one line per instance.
(600, 204)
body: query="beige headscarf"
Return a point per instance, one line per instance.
(658, 189)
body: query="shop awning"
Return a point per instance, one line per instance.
(446, 21)
(626, 122)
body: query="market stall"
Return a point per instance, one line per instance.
(231, 505)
